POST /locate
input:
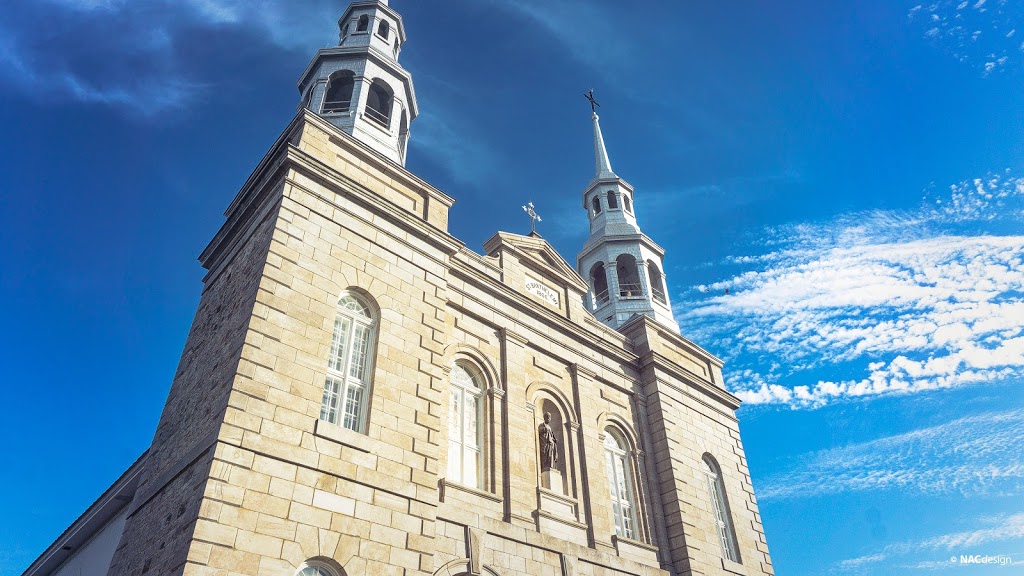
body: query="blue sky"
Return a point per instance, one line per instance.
(853, 173)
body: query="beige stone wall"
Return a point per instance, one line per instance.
(168, 497)
(283, 487)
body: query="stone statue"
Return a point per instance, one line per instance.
(548, 444)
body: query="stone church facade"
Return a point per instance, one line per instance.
(360, 393)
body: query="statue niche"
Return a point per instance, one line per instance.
(550, 445)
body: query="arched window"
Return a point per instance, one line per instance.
(720, 509)
(364, 23)
(657, 282)
(599, 280)
(596, 203)
(349, 370)
(613, 200)
(338, 97)
(629, 278)
(626, 203)
(317, 567)
(620, 484)
(465, 412)
(378, 105)
(382, 29)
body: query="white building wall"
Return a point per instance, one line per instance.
(93, 558)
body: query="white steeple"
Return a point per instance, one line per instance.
(603, 166)
(359, 86)
(624, 268)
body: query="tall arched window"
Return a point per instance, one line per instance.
(382, 29)
(657, 282)
(613, 200)
(349, 370)
(364, 23)
(596, 203)
(465, 412)
(338, 97)
(629, 278)
(626, 203)
(378, 104)
(720, 509)
(620, 484)
(599, 280)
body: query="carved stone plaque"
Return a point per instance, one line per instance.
(542, 291)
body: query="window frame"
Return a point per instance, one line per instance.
(596, 204)
(477, 392)
(365, 18)
(621, 454)
(338, 76)
(613, 200)
(378, 88)
(720, 509)
(339, 381)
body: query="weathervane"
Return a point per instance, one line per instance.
(593, 103)
(534, 217)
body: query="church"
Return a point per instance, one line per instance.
(360, 393)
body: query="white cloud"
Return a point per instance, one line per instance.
(976, 34)
(998, 195)
(892, 301)
(981, 454)
(996, 529)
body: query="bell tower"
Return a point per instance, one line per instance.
(359, 86)
(622, 265)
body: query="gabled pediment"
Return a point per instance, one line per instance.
(536, 255)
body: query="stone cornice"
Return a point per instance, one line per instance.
(515, 299)
(707, 389)
(254, 198)
(595, 242)
(679, 340)
(579, 370)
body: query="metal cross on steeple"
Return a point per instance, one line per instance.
(593, 103)
(534, 217)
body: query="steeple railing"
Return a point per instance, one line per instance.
(601, 298)
(659, 295)
(378, 116)
(630, 290)
(337, 106)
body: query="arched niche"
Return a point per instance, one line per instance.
(548, 400)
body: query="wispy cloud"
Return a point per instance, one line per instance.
(895, 297)
(127, 54)
(981, 34)
(465, 157)
(981, 454)
(949, 547)
(591, 34)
